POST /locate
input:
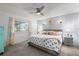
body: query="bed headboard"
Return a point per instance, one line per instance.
(52, 31)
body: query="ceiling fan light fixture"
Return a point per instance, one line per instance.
(39, 10)
(38, 13)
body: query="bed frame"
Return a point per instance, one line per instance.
(52, 52)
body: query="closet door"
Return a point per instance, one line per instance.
(1, 39)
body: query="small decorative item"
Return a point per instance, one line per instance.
(50, 21)
(67, 35)
(60, 21)
(70, 35)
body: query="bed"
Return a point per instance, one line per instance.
(48, 43)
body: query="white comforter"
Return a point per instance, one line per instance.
(47, 41)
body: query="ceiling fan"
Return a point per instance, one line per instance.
(39, 11)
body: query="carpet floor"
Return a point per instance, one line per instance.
(22, 49)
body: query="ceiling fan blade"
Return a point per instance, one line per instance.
(32, 12)
(41, 8)
(38, 10)
(42, 14)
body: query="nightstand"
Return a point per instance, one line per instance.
(68, 41)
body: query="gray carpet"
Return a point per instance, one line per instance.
(22, 49)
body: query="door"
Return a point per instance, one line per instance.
(1, 39)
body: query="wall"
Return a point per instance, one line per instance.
(78, 28)
(23, 35)
(4, 19)
(70, 25)
(33, 27)
(53, 23)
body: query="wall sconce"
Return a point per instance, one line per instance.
(38, 13)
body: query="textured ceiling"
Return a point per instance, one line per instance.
(51, 9)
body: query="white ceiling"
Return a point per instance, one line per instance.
(51, 9)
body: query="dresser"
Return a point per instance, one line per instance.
(1, 39)
(68, 41)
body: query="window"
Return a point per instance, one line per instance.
(21, 26)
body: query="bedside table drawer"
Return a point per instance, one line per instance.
(68, 41)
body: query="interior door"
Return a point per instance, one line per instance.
(1, 39)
